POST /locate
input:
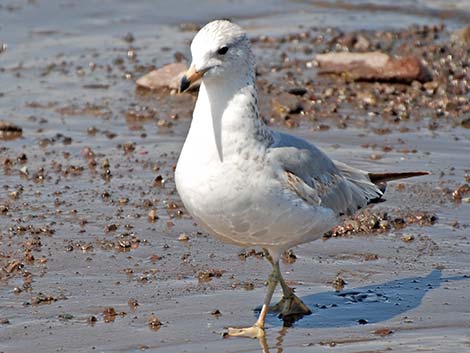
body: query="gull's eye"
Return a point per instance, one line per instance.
(222, 50)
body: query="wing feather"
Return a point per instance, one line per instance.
(318, 180)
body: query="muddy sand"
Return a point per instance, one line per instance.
(97, 253)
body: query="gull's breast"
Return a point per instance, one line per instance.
(250, 206)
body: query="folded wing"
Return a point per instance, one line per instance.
(318, 180)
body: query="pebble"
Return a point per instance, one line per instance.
(9, 131)
(154, 323)
(183, 237)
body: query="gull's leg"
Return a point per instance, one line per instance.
(257, 330)
(290, 304)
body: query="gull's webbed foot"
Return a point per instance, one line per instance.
(255, 331)
(290, 306)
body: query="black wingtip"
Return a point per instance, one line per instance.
(381, 178)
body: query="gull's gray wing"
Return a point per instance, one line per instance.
(318, 180)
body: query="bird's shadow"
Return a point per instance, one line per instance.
(365, 305)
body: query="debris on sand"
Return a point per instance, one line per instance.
(216, 313)
(183, 237)
(384, 331)
(9, 131)
(338, 283)
(374, 66)
(154, 323)
(133, 303)
(168, 76)
(91, 320)
(288, 257)
(206, 276)
(13, 266)
(152, 215)
(461, 37)
(43, 299)
(109, 315)
(458, 193)
(375, 222)
(407, 238)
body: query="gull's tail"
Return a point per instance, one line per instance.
(381, 179)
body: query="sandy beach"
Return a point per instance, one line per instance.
(98, 254)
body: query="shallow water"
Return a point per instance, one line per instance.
(68, 80)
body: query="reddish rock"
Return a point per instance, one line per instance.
(168, 76)
(374, 66)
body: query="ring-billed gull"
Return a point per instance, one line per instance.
(250, 185)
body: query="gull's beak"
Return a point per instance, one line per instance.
(190, 77)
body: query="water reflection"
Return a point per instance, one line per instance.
(360, 306)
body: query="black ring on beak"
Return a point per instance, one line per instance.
(184, 84)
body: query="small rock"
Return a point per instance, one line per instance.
(206, 276)
(65, 317)
(110, 228)
(286, 103)
(297, 91)
(92, 320)
(339, 283)
(154, 323)
(152, 215)
(128, 147)
(168, 76)
(459, 193)
(362, 43)
(288, 257)
(384, 331)
(465, 122)
(9, 131)
(133, 304)
(407, 238)
(42, 299)
(122, 244)
(129, 38)
(461, 37)
(159, 181)
(4, 209)
(109, 315)
(370, 257)
(154, 258)
(13, 266)
(183, 237)
(216, 313)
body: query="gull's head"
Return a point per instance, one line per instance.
(220, 50)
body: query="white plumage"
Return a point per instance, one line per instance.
(245, 183)
(250, 185)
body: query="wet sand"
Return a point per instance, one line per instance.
(96, 157)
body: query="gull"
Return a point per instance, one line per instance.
(250, 185)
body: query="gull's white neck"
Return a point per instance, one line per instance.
(226, 119)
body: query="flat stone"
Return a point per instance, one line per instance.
(375, 66)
